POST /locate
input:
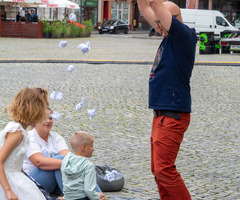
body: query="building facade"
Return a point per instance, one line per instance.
(230, 8)
(89, 11)
(99, 11)
(115, 9)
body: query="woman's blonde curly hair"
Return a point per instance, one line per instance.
(28, 106)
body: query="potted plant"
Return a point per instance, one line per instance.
(47, 30)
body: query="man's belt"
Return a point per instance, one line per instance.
(168, 113)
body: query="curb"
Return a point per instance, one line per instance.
(138, 62)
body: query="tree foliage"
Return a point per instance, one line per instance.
(220, 4)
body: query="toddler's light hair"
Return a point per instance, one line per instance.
(80, 138)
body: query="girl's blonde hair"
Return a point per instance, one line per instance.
(28, 106)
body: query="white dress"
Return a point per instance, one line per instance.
(21, 185)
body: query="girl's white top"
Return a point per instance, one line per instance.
(21, 185)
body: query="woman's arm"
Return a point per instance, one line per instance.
(12, 141)
(45, 163)
(64, 152)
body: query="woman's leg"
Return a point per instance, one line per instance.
(48, 179)
(57, 191)
(58, 176)
(45, 178)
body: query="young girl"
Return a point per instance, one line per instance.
(27, 108)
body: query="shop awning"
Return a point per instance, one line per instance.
(60, 4)
(23, 3)
(20, 2)
(41, 3)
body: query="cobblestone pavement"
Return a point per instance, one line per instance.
(209, 157)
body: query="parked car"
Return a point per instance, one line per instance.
(113, 26)
(206, 21)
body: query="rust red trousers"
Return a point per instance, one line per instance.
(167, 135)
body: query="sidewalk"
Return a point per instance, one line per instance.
(209, 156)
(103, 47)
(130, 32)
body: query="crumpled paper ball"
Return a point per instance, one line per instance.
(80, 105)
(111, 176)
(45, 152)
(56, 95)
(55, 115)
(59, 96)
(72, 17)
(53, 95)
(63, 44)
(84, 47)
(70, 68)
(91, 113)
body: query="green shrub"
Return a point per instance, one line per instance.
(66, 29)
(58, 29)
(46, 26)
(44, 22)
(75, 30)
(88, 28)
(68, 32)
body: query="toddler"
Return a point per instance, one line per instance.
(78, 173)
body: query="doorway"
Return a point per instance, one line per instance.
(105, 11)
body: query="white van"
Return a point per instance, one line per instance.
(206, 21)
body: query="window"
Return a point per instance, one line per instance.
(120, 11)
(221, 22)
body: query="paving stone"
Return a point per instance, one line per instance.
(209, 156)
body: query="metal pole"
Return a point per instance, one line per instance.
(15, 12)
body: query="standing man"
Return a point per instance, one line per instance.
(18, 17)
(169, 93)
(34, 16)
(27, 15)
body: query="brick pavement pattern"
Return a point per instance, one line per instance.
(209, 156)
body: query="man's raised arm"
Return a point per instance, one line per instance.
(147, 11)
(153, 10)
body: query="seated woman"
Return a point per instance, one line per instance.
(44, 157)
